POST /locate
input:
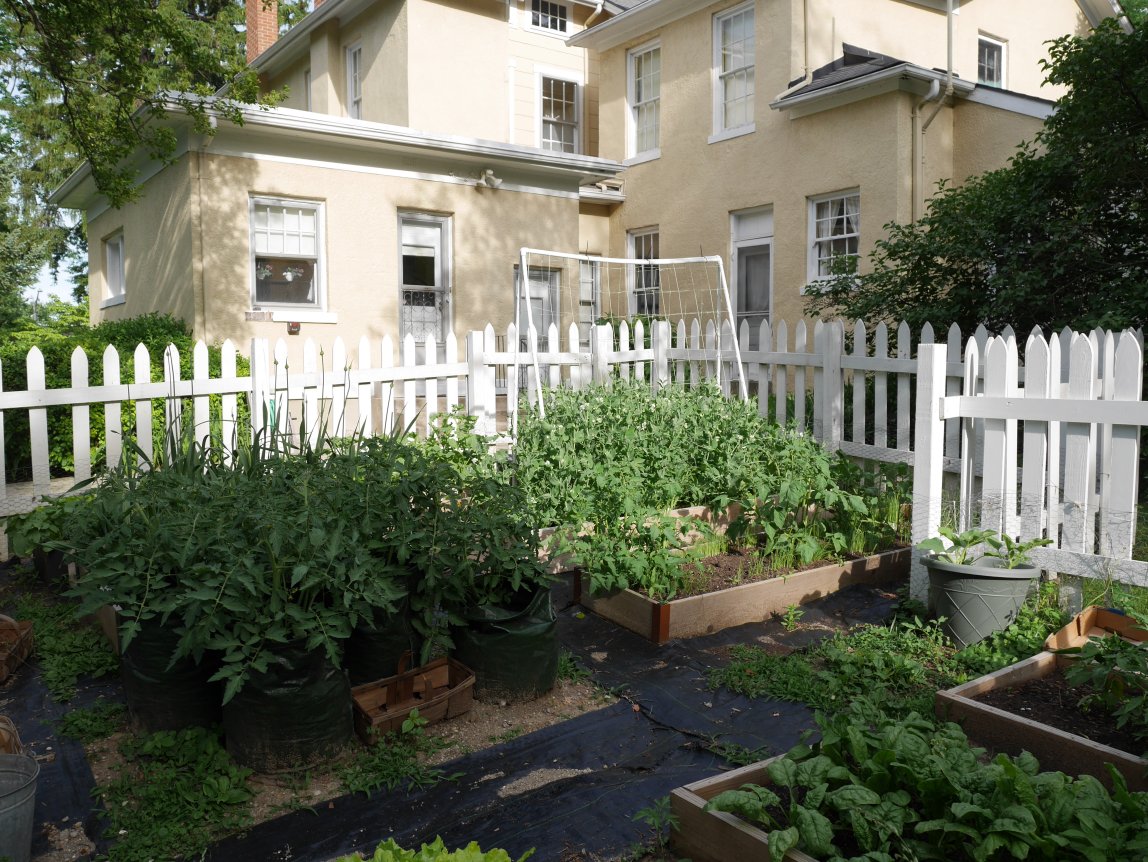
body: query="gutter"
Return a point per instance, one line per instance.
(918, 172)
(906, 71)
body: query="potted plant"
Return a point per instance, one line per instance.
(38, 533)
(977, 592)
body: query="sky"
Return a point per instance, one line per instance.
(61, 289)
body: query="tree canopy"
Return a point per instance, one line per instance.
(87, 80)
(1058, 237)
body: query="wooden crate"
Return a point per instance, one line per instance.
(718, 836)
(441, 689)
(16, 644)
(1094, 622)
(1054, 748)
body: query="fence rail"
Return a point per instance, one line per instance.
(1057, 434)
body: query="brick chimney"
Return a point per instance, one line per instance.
(262, 26)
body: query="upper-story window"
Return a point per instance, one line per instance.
(734, 55)
(990, 62)
(355, 81)
(559, 115)
(114, 283)
(550, 15)
(286, 245)
(645, 79)
(835, 228)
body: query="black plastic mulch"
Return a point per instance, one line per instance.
(616, 760)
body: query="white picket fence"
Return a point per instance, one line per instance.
(976, 393)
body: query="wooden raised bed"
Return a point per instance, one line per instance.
(1094, 622)
(718, 836)
(747, 603)
(441, 689)
(1005, 731)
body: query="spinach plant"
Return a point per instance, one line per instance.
(879, 788)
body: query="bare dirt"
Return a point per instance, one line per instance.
(1052, 701)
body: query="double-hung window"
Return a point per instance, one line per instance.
(553, 16)
(734, 57)
(990, 62)
(355, 81)
(559, 115)
(286, 251)
(835, 228)
(114, 285)
(645, 78)
(646, 292)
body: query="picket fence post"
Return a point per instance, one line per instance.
(928, 458)
(480, 392)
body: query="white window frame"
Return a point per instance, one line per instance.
(354, 79)
(636, 277)
(1000, 44)
(115, 268)
(750, 229)
(443, 223)
(298, 310)
(557, 33)
(722, 131)
(813, 265)
(566, 76)
(633, 154)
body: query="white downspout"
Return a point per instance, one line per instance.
(919, 134)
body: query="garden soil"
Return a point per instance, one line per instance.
(529, 776)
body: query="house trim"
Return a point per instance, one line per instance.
(906, 77)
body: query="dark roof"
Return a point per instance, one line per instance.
(854, 63)
(623, 5)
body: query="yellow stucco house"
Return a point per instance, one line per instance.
(425, 141)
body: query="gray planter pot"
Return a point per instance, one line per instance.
(976, 599)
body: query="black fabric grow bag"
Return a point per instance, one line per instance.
(512, 650)
(167, 695)
(292, 716)
(375, 650)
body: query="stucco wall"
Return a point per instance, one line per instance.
(159, 261)
(986, 137)
(362, 245)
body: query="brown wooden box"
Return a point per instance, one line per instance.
(1005, 731)
(747, 603)
(1094, 622)
(16, 643)
(717, 836)
(441, 689)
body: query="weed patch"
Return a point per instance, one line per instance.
(67, 649)
(94, 723)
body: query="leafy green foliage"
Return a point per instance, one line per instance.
(899, 666)
(570, 668)
(436, 851)
(1053, 239)
(394, 760)
(879, 788)
(660, 819)
(963, 548)
(42, 526)
(96, 722)
(1117, 671)
(179, 793)
(66, 650)
(620, 457)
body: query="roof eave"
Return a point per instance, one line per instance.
(633, 23)
(903, 77)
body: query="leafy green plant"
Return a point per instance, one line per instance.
(878, 788)
(96, 722)
(660, 819)
(1117, 672)
(570, 668)
(43, 526)
(964, 548)
(792, 617)
(436, 851)
(1039, 617)
(179, 793)
(394, 760)
(67, 649)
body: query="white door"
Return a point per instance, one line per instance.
(754, 287)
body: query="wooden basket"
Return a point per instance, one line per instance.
(9, 737)
(15, 645)
(443, 688)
